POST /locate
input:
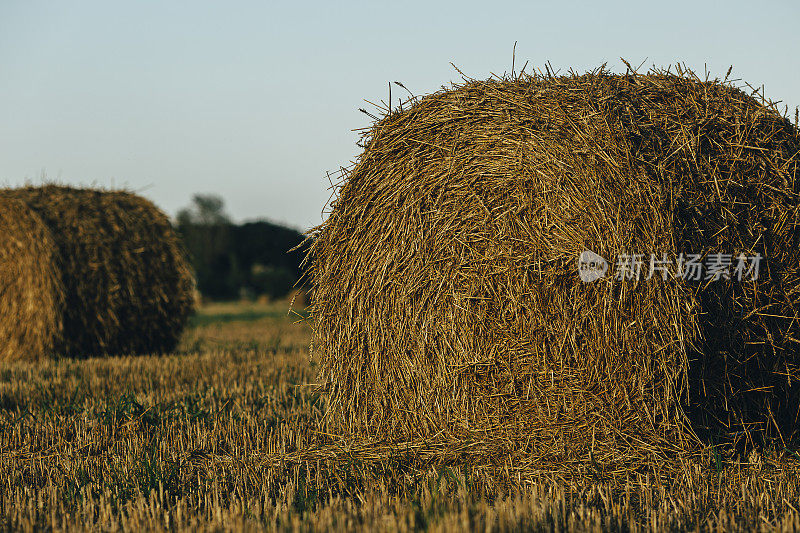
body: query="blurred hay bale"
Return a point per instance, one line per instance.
(31, 293)
(446, 295)
(197, 299)
(128, 288)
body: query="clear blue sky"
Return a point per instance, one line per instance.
(254, 101)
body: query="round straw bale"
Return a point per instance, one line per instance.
(128, 288)
(447, 300)
(31, 294)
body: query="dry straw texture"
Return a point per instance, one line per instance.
(127, 286)
(447, 303)
(31, 293)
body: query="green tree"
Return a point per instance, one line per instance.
(231, 259)
(207, 231)
(206, 210)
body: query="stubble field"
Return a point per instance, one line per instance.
(217, 437)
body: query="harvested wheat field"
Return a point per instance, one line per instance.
(448, 309)
(215, 437)
(31, 291)
(127, 288)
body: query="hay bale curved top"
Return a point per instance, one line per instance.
(446, 295)
(128, 287)
(31, 293)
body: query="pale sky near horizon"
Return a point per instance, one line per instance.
(255, 101)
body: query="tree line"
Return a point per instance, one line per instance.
(238, 260)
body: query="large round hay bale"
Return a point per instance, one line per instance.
(447, 300)
(128, 288)
(31, 293)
